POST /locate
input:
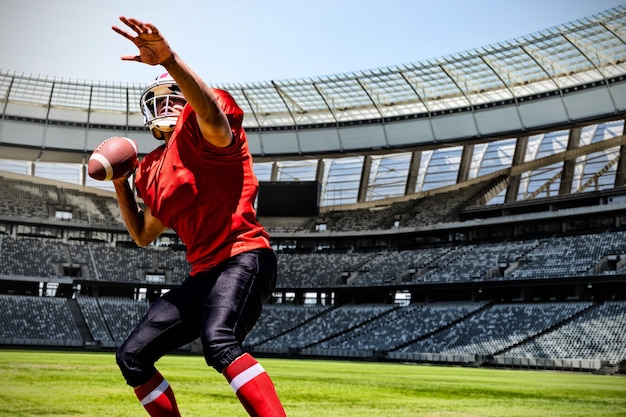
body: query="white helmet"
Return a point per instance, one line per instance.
(162, 88)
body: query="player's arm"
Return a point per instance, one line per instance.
(142, 226)
(154, 50)
(211, 119)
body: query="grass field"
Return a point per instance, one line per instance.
(43, 383)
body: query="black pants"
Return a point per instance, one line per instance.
(220, 306)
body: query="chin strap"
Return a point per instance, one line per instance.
(157, 132)
(158, 135)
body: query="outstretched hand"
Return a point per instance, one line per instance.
(153, 48)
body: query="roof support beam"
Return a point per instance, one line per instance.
(414, 168)
(594, 180)
(365, 179)
(258, 122)
(543, 61)
(567, 176)
(284, 98)
(521, 146)
(375, 104)
(458, 80)
(465, 163)
(620, 175)
(411, 84)
(588, 51)
(332, 112)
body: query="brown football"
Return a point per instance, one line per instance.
(114, 158)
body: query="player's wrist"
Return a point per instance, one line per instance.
(169, 61)
(120, 181)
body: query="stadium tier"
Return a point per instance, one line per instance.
(580, 336)
(468, 209)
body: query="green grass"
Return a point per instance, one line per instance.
(43, 383)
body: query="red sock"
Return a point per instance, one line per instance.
(253, 387)
(157, 397)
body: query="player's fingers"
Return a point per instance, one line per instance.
(131, 58)
(122, 32)
(153, 29)
(131, 21)
(134, 24)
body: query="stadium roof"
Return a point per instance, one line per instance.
(546, 81)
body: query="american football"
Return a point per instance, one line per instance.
(114, 158)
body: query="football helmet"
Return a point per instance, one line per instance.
(157, 102)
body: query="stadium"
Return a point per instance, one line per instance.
(462, 210)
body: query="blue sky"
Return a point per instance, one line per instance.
(247, 41)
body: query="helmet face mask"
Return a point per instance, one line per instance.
(158, 102)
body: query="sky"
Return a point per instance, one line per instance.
(249, 41)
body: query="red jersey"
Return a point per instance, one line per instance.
(204, 193)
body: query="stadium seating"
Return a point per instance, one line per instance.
(555, 257)
(332, 323)
(94, 209)
(598, 334)
(401, 326)
(30, 257)
(496, 328)
(446, 331)
(27, 199)
(281, 318)
(96, 320)
(502, 334)
(37, 320)
(121, 315)
(569, 255)
(32, 200)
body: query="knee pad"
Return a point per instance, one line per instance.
(134, 372)
(220, 347)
